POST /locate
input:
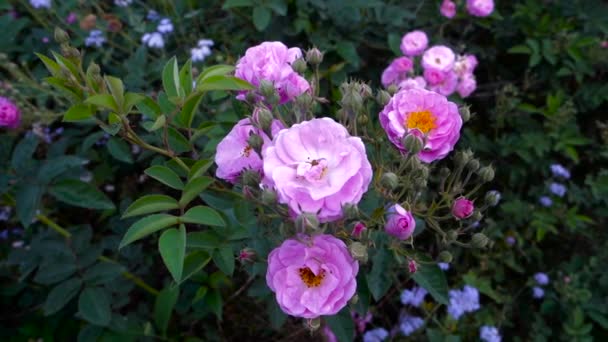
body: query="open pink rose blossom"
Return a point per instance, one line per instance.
(480, 8)
(10, 116)
(271, 61)
(314, 277)
(426, 114)
(414, 43)
(234, 155)
(317, 167)
(397, 71)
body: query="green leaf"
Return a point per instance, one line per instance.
(378, 280)
(237, 3)
(102, 272)
(131, 100)
(94, 306)
(394, 43)
(158, 123)
(57, 166)
(200, 294)
(150, 204)
(177, 141)
(204, 240)
(261, 17)
(149, 108)
(53, 271)
(78, 112)
(194, 262)
(185, 77)
(224, 260)
(432, 279)
(147, 226)
(520, 49)
(50, 64)
(199, 168)
(118, 91)
(203, 215)
(163, 306)
(22, 154)
(60, 295)
(104, 101)
(171, 82)
(172, 248)
(216, 70)
(119, 150)
(71, 67)
(348, 51)
(213, 301)
(80, 194)
(28, 199)
(166, 176)
(342, 325)
(187, 114)
(194, 188)
(220, 82)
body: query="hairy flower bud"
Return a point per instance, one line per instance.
(358, 229)
(314, 56)
(486, 173)
(462, 158)
(299, 66)
(452, 235)
(362, 119)
(492, 198)
(444, 173)
(383, 97)
(473, 165)
(389, 181)
(93, 69)
(61, 36)
(477, 216)
(479, 240)
(351, 211)
(465, 113)
(445, 256)
(256, 142)
(412, 144)
(365, 90)
(267, 90)
(392, 89)
(263, 118)
(246, 255)
(269, 196)
(306, 222)
(251, 178)
(358, 251)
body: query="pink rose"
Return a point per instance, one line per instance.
(480, 8)
(312, 278)
(433, 76)
(234, 154)
(448, 9)
(439, 57)
(423, 113)
(397, 71)
(462, 208)
(271, 61)
(465, 65)
(414, 43)
(400, 223)
(447, 86)
(415, 82)
(317, 167)
(466, 86)
(10, 116)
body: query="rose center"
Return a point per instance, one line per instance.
(312, 171)
(309, 278)
(437, 60)
(247, 151)
(424, 121)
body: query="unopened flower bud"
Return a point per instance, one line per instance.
(351, 211)
(412, 144)
(362, 119)
(392, 89)
(246, 255)
(358, 251)
(355, 299)
(263, 118)
(269, 196)
(477, 216)
(252, 97)
(462, 158)
(61, 36)
(352, 100)
(299, 66)
(383, 98)
(358, 229)
(306, 222)
(444, 173)
(389, 181)
(445, 256)
(492, 198)
(486, 173)
(465, 113)
(473, 165)
(267, 89)
(251, 178)
(256, 142)
(314, 56)
(479, 240)
(313, 324)
(412, 266)
(365, 90)
(452, 235)
(93, 69)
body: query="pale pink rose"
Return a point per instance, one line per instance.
(400, 223)
(414, 43)
(448, 9)
(439, 57)
(465, 65)
(447, 86)
(466, 86)
(397, 71)
(480, 8)
(312, 276)
(434, 76)
(413, 82)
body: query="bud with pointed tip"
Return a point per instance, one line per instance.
(462, 158)
(251, 178)
(256, 142)
(314, 56)
(299, 66)
(263, 118)
(246, 255)
(473, 165)
(358, 251)
(486, 173)
(479, 240)
(412, 144)
(307, 222)
(445, 256)
(93, 69)
(412, 266)
(383, 97)
(61, 37)
(389, 181)
(269, 197)
(492, 198)
(351, 211)
(358, 229)
(465, 113)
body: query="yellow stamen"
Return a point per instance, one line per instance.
(424, 121)
(309, 278)
(247, 151)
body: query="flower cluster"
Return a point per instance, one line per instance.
(202, 50)
(463, 301)
(413, 297)
(156, 39)
(442, 70)
(541, 279)
(489, 334)
(560, 173)
(95, 38)
(477, 8)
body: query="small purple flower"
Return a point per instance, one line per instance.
(558, 189)
(444, 266)
(559, 171)
(463, 301)
(545, 201)
(541, 278)
(489, 334)
(4, 234)
(408, 324)
(71, 18)
(152, 15)
(413, 297)
(375, 335)
(510, 240)
(538, 292)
